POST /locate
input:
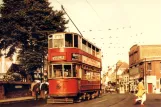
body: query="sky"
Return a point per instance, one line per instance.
(114, 25)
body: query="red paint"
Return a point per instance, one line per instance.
(65, 86)
(150, 88)
(67, 52)
(89, 85)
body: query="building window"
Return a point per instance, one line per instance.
(149, 66)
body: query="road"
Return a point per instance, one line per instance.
(107, 100)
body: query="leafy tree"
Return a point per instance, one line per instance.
(25, 25)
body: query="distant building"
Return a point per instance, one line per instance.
(145, 61)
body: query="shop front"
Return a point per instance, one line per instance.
(133, 81)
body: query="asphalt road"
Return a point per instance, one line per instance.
(107, 100)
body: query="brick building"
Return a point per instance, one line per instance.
(145, 61)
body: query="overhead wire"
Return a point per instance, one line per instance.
(93, 9)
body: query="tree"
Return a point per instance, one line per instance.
(25, 25)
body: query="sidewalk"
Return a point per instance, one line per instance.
(10, 100)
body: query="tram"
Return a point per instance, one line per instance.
(74, 68)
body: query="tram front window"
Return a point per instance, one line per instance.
(57, 70)
(62, 70)
(67, 71)
(58, 43)
(68, 40)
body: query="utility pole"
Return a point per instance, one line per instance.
(145, 73)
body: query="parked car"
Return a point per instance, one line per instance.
(110, 89)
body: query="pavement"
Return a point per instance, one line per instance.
(11, 100)
(156, 97)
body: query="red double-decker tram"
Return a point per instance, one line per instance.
(74, 68)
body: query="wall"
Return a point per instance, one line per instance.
(140, 56)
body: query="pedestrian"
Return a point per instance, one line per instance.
(43, 89)
(36, 89)
(32, 91)
(141, 94)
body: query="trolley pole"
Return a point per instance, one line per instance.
(71, 20)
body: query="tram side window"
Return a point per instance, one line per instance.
(76, 41)
(74, 71)
(68, 40)
(84, 45)
(89, 48)
(67, 71)
(50, 42)
(98, 53)
(58, 70)
(88, 75)
(50, 72)
(93, 50)
(83, 74)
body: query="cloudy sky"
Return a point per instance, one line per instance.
(114, 25)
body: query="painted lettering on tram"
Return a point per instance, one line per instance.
(58, 57)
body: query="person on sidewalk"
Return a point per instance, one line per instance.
(43, 89)
(36, 89)
(32, 85)
(141, 94)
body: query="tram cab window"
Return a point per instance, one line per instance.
(57, 71)
(58, 41)
(67, 71)
(68, 40)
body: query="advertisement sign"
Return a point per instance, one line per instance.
(134, 71)
(75, 56)
(90, 61)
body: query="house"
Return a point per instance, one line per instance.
(145, 62)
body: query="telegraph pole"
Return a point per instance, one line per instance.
(145, 73)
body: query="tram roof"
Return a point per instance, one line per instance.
(80, 36)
